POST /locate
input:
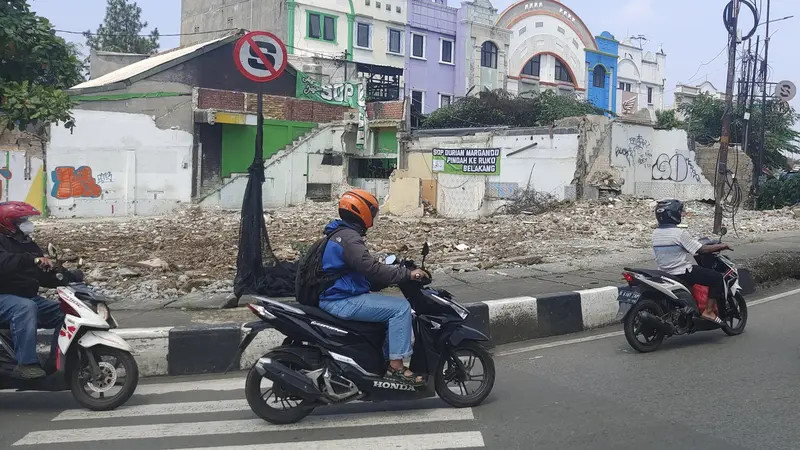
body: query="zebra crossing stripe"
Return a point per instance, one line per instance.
(227, 427)
(432, 441)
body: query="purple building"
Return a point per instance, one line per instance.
(431, 40)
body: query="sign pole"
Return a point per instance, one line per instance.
(259, 156)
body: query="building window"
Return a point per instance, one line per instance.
(417, 101)
(523, 30)
(445, 100)
(417, 46)
(539, 24)
(623, 86)
(562, 73)
(321, 26)
(364, 35)
(533, 66)
(446, 51)
(599, 76)
(561, 30)
(489, 55)
(395, 39)
(649, 96)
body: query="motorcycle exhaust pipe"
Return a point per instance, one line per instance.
(656, 322)
(288, 379)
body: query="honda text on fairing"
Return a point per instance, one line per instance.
(656, 304)
(326, 360)
(91, 361)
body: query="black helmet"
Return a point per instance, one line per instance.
(668, 211)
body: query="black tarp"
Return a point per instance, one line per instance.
(258, 271)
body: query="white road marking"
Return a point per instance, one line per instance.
(533, 348)
(226, 427)
(434, 441)
(160, 409)
(225, 384)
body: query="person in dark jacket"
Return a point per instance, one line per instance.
(350, 297)
(23, 268)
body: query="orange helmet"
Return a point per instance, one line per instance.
(359, 206)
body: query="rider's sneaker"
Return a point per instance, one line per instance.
(29, 372)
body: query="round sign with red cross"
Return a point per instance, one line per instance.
(260, 56)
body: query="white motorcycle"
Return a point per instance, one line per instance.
(96, 364)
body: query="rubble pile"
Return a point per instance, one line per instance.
(194, 250)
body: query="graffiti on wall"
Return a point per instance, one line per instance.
(676, 168)
(105, 177)
(69, 182)
(638, 151)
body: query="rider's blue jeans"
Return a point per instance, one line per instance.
(25, 315)
(378, 308)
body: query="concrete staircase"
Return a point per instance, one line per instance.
(212, 189)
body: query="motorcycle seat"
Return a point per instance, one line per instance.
(354, 325)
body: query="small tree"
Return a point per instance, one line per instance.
(121, 29)
(667, 120)
(36, 67)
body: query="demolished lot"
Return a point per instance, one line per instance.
(194, 250)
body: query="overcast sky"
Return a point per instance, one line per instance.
(690, 31)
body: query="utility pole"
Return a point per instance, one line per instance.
(751, 93)
(724, 140)
(759, 163)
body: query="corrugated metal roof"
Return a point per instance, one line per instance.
(144, 65)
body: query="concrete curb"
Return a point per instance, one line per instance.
(189, 350)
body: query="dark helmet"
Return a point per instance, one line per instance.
(669, 211)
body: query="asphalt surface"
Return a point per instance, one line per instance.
(585, 391)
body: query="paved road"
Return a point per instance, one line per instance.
(705, 392)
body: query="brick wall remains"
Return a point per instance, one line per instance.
(385, 110)
(276, 108)
(739, 162)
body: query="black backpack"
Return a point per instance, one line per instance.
(311, 281)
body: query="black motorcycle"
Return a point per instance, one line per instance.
(326, 360)
(656, 304)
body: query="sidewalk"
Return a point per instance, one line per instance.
(473, 287)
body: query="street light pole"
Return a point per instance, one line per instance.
(760, 159)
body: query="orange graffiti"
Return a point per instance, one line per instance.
(69, 182)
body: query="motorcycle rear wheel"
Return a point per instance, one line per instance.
(633, 323)
(80, 386)
(447, 373)
(256, 398)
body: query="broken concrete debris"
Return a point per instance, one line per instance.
(193, 251)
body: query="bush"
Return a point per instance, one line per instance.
(775, 194)
(499, 108)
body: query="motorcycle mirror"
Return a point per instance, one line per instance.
(52, 251)
(80, 262)
(723, 231)
(391, 259)
(426, 249)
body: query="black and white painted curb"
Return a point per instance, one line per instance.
(187, 350)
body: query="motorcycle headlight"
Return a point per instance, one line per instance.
(102, 311)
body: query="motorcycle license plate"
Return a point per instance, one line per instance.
(628, 295)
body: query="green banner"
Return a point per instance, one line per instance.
(467, 161)
(341, 94)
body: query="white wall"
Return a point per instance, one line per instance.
(285, 173)
(657, 163)
(549, 166)
(117, 164)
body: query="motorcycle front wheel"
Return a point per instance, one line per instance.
(734, 326)
(118, 369)
(457, 369)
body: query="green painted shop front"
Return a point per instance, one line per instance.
(238, 142)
